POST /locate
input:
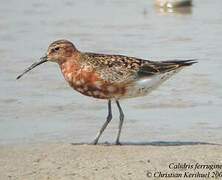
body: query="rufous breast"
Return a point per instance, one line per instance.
(89, 82)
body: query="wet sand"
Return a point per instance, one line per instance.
(126, 162)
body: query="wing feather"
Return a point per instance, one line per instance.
(119, 68)
(158, 67)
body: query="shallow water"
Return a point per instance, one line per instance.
(42, 108)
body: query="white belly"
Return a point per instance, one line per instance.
(145, 85)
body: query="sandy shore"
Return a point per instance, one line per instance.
(66, 161)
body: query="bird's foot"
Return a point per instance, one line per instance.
(118, 143)
(95, 142)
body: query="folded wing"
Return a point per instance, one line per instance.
(151, 68)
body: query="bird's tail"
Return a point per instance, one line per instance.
(172, 65)
(181, 63)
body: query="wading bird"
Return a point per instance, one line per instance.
(110, 77)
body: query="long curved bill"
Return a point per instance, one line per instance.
(42, 60)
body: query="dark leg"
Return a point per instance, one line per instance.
(108, 119)
(121, 118)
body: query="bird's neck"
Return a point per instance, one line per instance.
(70, 66)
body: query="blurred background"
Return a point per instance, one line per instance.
(41, 107)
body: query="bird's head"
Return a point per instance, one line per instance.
(58, 51)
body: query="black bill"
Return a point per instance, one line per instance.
(43, 60)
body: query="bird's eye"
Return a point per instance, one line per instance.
(57, 48)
